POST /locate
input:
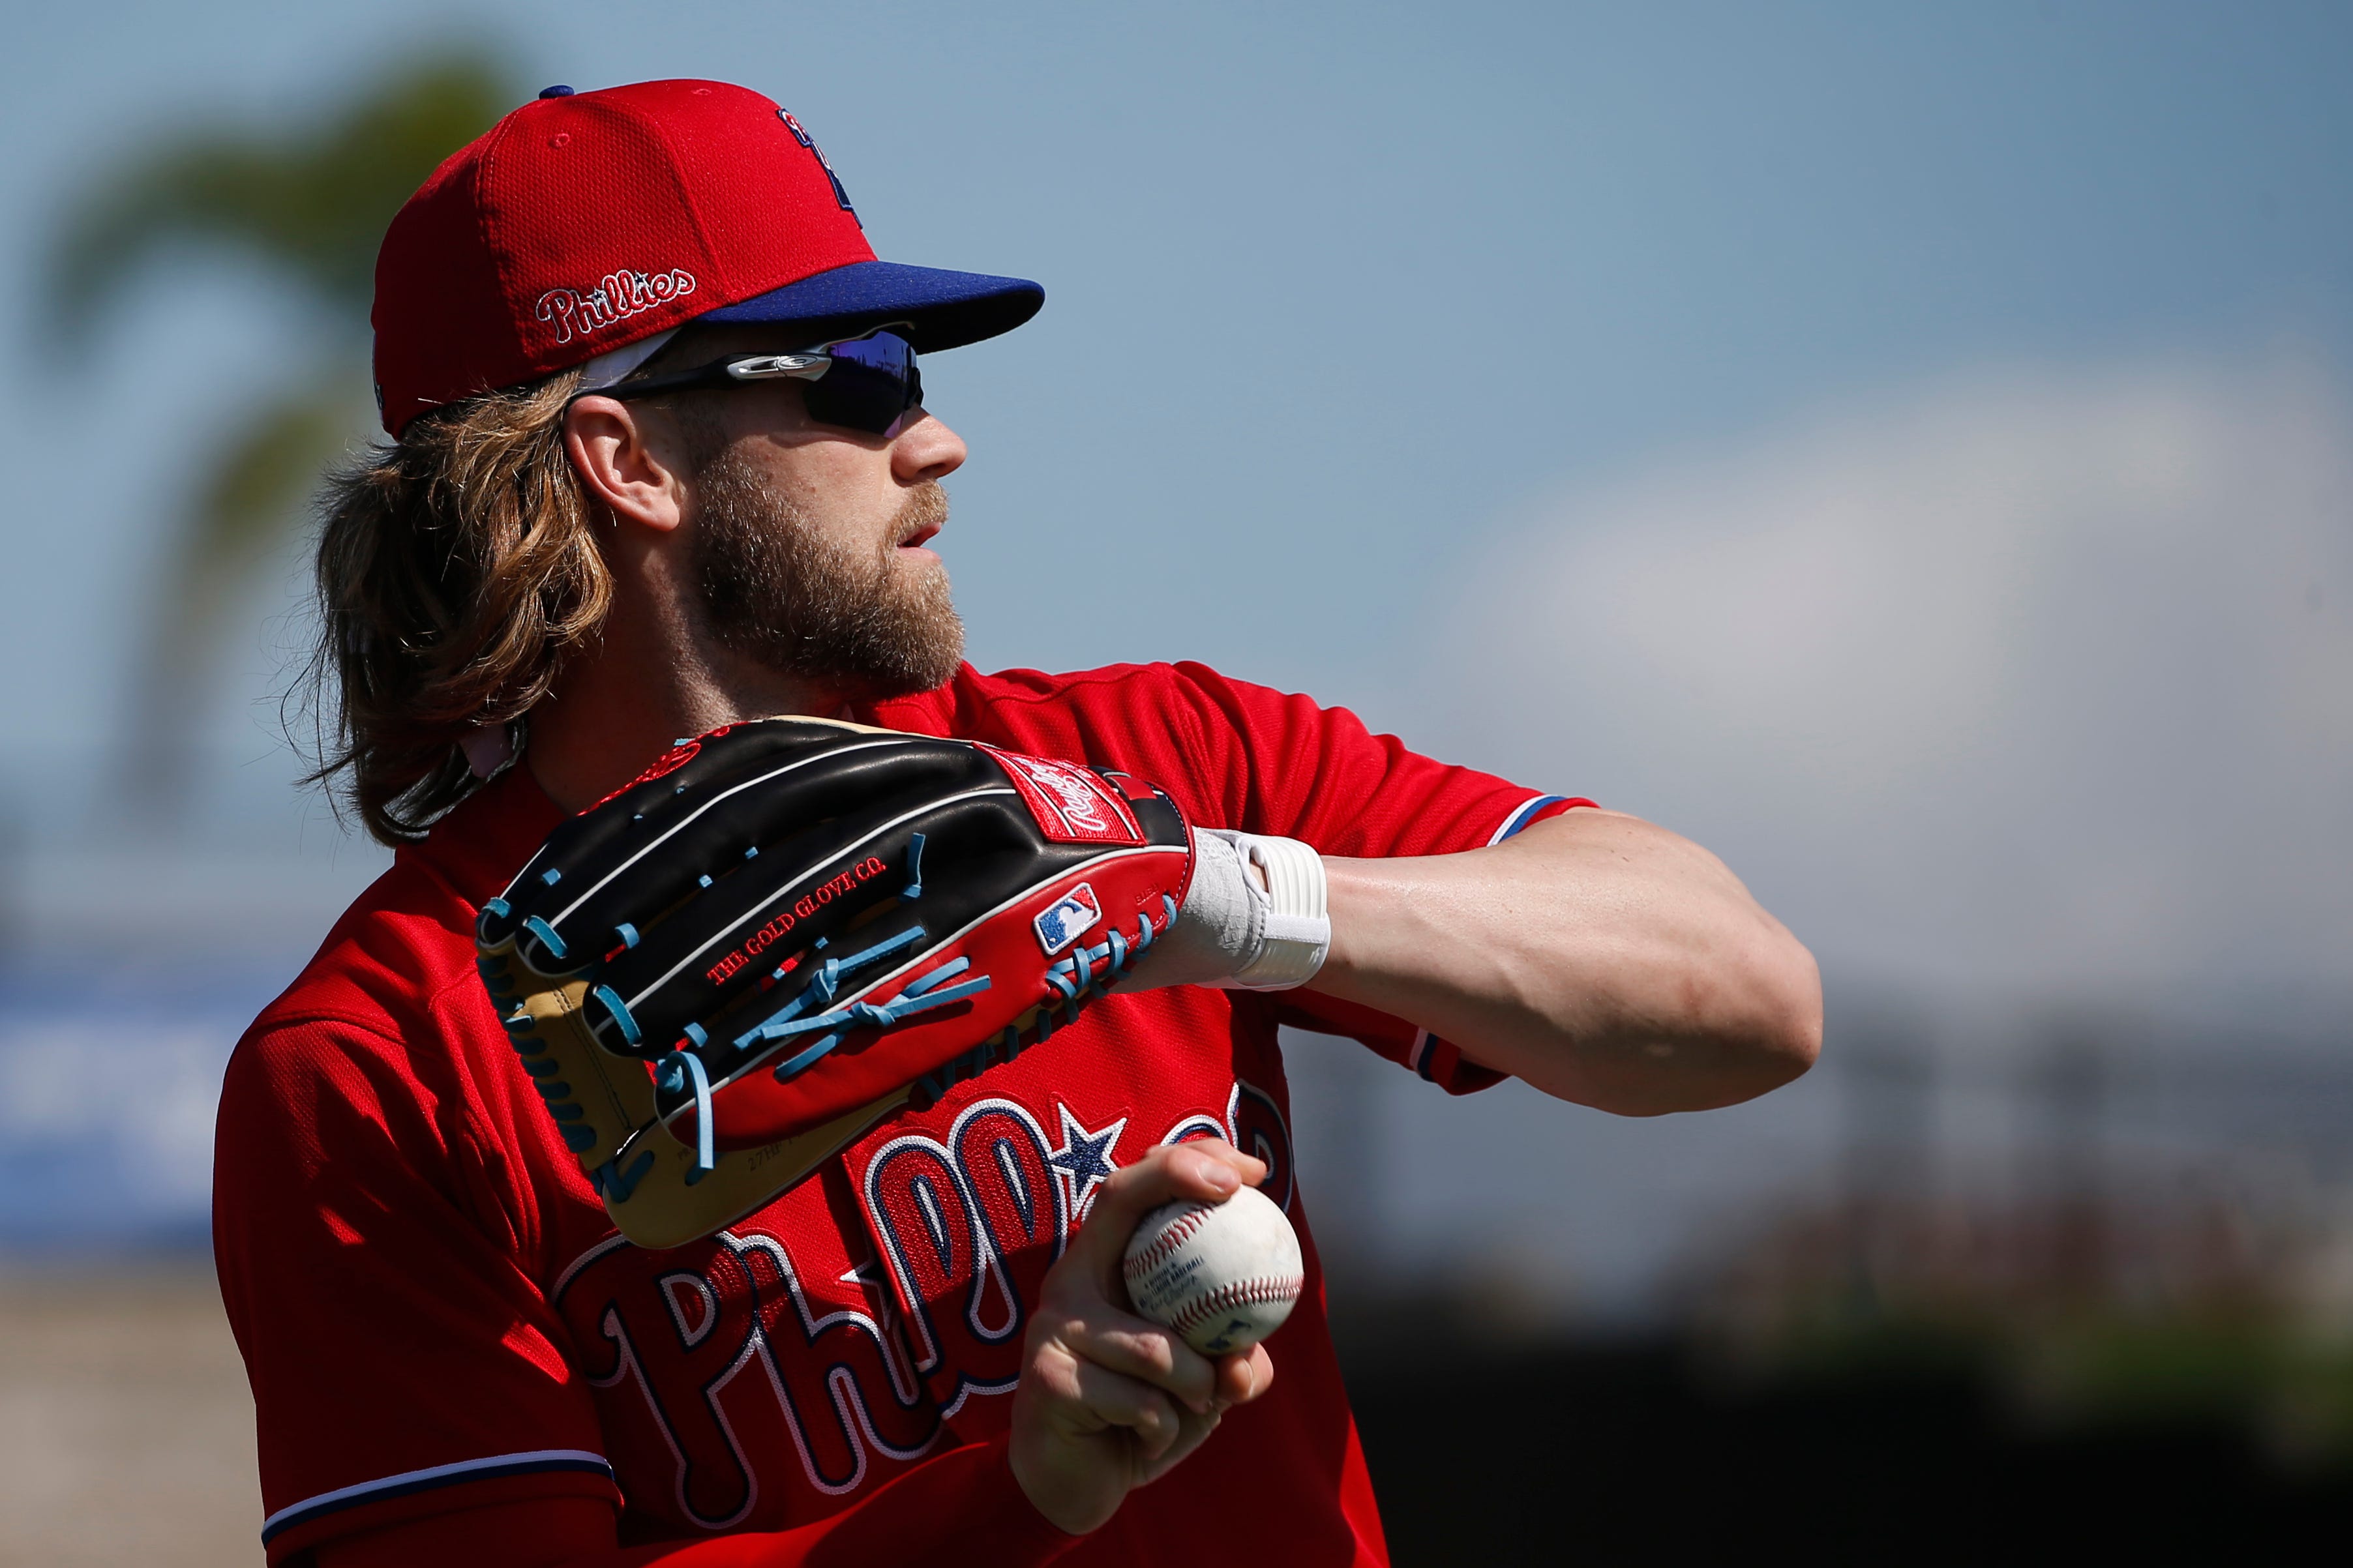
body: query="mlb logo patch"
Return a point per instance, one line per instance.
(1067, 919)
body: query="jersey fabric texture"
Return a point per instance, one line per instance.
(437, 1314)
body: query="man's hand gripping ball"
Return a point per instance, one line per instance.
(787, 930)
(1109, 1401)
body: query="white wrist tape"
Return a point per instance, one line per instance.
(1292, 929)
(1234, 934)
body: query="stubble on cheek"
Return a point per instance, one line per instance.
(774, 587)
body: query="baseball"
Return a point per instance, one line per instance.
(1224, 1276)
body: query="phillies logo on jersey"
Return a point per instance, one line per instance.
(1069, 918)
(575, 312)
(743, 1380)
(732, 1350)
(1072, 804)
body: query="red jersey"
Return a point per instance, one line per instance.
(437, 1314)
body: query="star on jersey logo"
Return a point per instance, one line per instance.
(1084, 1161)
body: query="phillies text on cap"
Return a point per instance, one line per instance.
(584, 221)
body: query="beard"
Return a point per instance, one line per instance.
(867, 621)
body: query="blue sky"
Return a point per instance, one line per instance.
(1332, 289)
(1905, 446)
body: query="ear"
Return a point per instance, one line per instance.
(629, 458)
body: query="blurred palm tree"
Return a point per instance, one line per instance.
(311, 203)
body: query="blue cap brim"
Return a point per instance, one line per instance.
(946, 310)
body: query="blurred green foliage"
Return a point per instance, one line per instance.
(2119, 1303)
(2273, 1370)
(309, 203)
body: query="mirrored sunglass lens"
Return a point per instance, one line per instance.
(871, 383)
(885, 351)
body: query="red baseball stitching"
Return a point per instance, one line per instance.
(1241, 1293)
(1164, 1246)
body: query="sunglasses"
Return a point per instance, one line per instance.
(868, 383)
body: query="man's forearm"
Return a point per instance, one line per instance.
(1601, 959)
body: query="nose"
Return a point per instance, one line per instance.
(925, 449)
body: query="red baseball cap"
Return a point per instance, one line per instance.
(582, 222)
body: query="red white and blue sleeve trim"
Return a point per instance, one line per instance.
(1534, 809)
(1422, 1056)
(536, 1462)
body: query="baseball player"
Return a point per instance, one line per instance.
(658, 507)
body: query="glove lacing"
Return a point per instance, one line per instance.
(1086, 973)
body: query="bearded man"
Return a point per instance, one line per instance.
(659, 464)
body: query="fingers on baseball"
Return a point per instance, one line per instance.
(1149, 1353)
(1243, 1376)
(1112, 1399)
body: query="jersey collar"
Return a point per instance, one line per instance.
(479, 847)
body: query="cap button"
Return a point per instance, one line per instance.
(558, 91)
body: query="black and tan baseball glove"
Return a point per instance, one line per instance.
(787, 930)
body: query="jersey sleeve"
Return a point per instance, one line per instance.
(403, 1363)
(1281, 764)
(1248, 757)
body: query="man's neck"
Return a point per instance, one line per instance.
(634, 696)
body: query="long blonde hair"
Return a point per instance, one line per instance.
(458, 571)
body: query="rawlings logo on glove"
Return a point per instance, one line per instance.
(788, 929)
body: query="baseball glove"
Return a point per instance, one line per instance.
(787, 930)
